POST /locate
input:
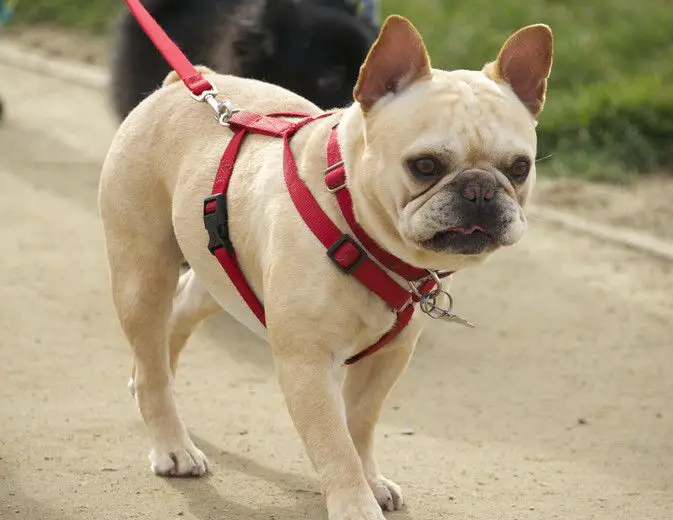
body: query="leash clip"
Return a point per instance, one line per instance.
(210, 92)
(224, 110)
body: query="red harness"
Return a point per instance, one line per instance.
(351, 257)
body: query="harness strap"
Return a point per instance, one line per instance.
(402, 320)
(216, 219)
(193, 79)
(347, 255)
(342, 249)
(269, 125)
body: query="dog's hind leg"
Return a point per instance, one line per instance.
(366, 385)
(144, 260)
(191, 305)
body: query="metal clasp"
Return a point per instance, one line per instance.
(428, 302)
(224, 110)
(211, 92)
(435, 292)
(337, 188)
(331, 168)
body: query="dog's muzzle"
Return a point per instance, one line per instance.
(480, 212)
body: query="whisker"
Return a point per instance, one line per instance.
(544, 158)
(536, 220)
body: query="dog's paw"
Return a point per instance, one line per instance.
(349, 507)
(387, 493)
(179, 461)
(356, 513)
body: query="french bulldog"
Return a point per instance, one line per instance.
(439, 164)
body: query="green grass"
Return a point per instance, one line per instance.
(609, 113)
(92, 16)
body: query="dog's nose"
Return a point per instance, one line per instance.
(477, 186)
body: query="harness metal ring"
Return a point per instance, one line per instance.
(225, 111)
(428, 304)
(435, 292)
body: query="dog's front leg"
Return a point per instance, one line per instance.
(366, 386)
(309, 379)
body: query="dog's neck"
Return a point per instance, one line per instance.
(366, 205)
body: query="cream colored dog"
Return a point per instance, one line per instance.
(439, 165)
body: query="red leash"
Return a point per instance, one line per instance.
(194, 80)
(346, 253)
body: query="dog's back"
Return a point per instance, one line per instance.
(312, 47)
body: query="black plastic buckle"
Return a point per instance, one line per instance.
(331, 252)
(217, 223)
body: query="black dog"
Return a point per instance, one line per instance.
(311, 47)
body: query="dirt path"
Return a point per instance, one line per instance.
(557, 406)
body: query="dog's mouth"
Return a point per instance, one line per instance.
(468, 240)
(466, 231)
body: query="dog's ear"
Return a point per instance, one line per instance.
(397, 59)
(524, 63)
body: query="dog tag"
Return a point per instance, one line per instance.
(457, 319)
(428, 304)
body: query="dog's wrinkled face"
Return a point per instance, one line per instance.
(466, 175)
(449, 157)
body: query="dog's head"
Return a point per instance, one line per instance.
(317, 49)
(440, 163)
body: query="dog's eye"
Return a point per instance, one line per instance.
(425, 167)
(519, 169)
